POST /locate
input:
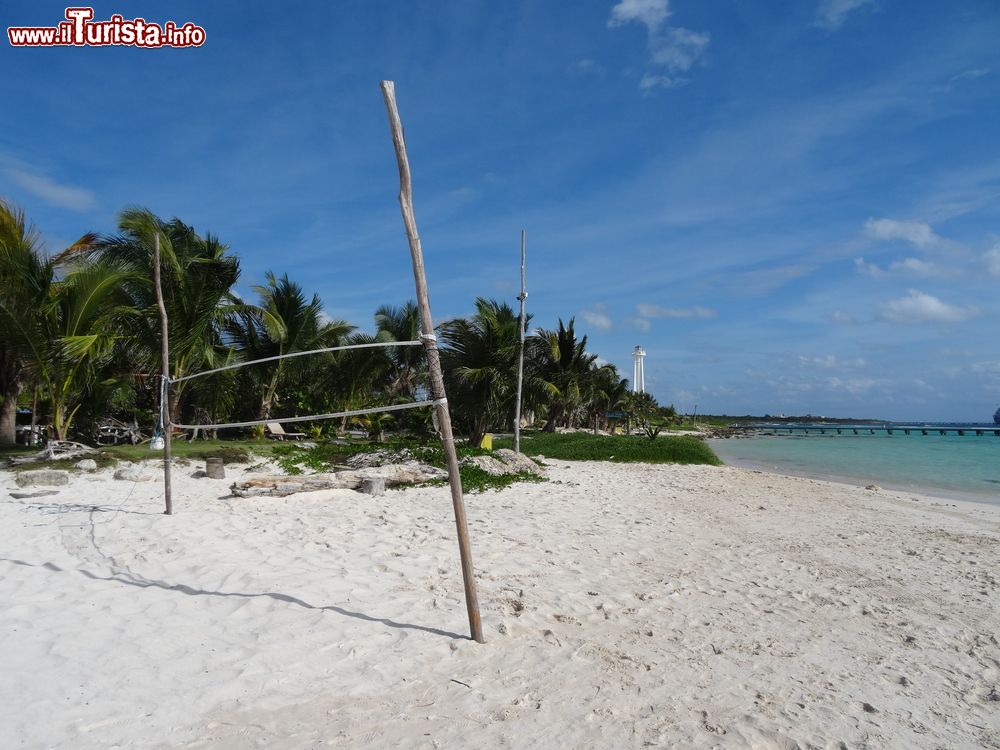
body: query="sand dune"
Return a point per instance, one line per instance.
(624, 606)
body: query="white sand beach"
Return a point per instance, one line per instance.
(624, 606)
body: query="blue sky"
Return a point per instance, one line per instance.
(793, 206)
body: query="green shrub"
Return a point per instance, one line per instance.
(228, 454)
(585, 446)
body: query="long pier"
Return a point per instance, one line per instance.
(841, 429)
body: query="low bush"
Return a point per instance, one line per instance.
(585, 446)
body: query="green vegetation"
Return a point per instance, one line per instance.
(475, 479)
(582, 446)
(102, 459)
(294, 459)
(230, 451)
(80, 342)
(700, 422)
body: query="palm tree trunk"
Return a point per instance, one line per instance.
(174, 406)
(272, 388)
(555, 414)
(10, 389)
(59, 419)
(8, 414)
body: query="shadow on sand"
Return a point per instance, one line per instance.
(140, 582)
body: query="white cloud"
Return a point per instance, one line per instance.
(854, 386)
(641, 324)
(672, 49)
(766, 280)
(679, 49)
(830, 362)
(916, 267)
(832, 13)
(992, 261)
(652, 13)
(910, 266)
(597, 317)
(918, 307)
(651, 81)
(50, 191)
(869, 269)
(674, 313)
(842, 318)
(589, 67)
(914, 232)
(990, 368)
(967, 74)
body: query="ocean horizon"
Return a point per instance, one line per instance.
(960, 467)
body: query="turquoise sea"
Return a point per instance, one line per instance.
(962, 467)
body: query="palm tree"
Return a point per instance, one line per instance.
(408, 364)
(78, 327)
(198, 274)
(562, 362)
(283, 323)
(25, 274)
(604, 391)
(643, 408)
(479, 358)
(356, 376)
(58, 330)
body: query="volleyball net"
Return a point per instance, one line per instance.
(166, 382)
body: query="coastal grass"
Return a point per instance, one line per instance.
(230, 451)
(102, 460)
(585, 446)
(294, 458)
(323, 457)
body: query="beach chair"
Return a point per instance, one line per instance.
(276, 432)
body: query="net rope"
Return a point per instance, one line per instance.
(235, 365)
(313, 417)
(428, 340)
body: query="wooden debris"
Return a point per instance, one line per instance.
(56, 449)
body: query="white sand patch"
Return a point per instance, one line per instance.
(624, 606)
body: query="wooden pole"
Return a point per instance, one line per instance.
(433, 359)
(34, 416)
(520, 356)
(164, 391)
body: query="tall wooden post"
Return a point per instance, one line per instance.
(164, 389)
(34, 416)
(433, 359)
(520, 357)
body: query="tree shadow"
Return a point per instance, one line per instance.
(141, 582)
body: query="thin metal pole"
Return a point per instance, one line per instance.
(433, 359)
(164, 391)
(520, 356)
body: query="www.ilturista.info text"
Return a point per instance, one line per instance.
(80, 30)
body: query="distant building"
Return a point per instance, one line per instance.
(638, 370)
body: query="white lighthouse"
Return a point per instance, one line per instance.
(638, 370)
